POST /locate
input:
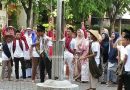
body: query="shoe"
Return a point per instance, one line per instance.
(103, 82)
(33, 81)
(29, 76)
(10, 79)
(84, 81)
(16, 80)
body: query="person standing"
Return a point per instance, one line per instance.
(70, 47)
(35, 54)
(126, 74)
(121, 55)
(112, 59)
(18, 48)
(28, 39)
(45, 63)
(104, 54)
(6, 56)
(94, 54)
(82, 49)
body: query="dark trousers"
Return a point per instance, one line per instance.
(127, 80)
(120, 82)
(22, 61)
(45, 64)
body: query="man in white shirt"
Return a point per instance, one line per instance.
(127, 62)
(18, 48)
(45, 63)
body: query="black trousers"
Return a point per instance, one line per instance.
(45, 65)
(127, 80)
(22, 61)
(120, 82)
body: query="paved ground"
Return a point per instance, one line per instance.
(28, 85)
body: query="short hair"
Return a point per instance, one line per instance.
(71, 29)
(127, 36)
(125, 30)
(40, 28)
(17, 31)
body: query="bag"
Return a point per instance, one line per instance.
(120, 69)
(95, 70)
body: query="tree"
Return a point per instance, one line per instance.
(113, 8)
(27, 5)
(81, 9)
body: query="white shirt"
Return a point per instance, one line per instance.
(96, 48)
(122, 52)
(18, 51)
(4, 57)
(35, 53)
(47, 41)
(127, 65)
(72, 43)
(29, 42)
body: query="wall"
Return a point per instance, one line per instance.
(22, 18)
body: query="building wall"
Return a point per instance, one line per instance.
(22, 18)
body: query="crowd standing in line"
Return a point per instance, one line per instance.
(89, 57)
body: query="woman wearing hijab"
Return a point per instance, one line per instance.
(104, 53)
(82, 48)
(112, 60)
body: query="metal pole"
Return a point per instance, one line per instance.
(120, 22)
(59, 18)
(57, 59)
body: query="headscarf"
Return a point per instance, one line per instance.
(116, 36)
(80, 40)
(106, 39)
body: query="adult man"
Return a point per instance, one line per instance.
(45, 63)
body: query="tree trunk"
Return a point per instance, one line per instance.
(112, 25)
(28, 18)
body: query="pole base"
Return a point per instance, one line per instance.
(57, 85)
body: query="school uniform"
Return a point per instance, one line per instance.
(45, 63)
(6, 60)
(127, 69)
(18, 48)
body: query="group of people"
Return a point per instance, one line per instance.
(110, 53)
(89, 57)
(28, 47)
